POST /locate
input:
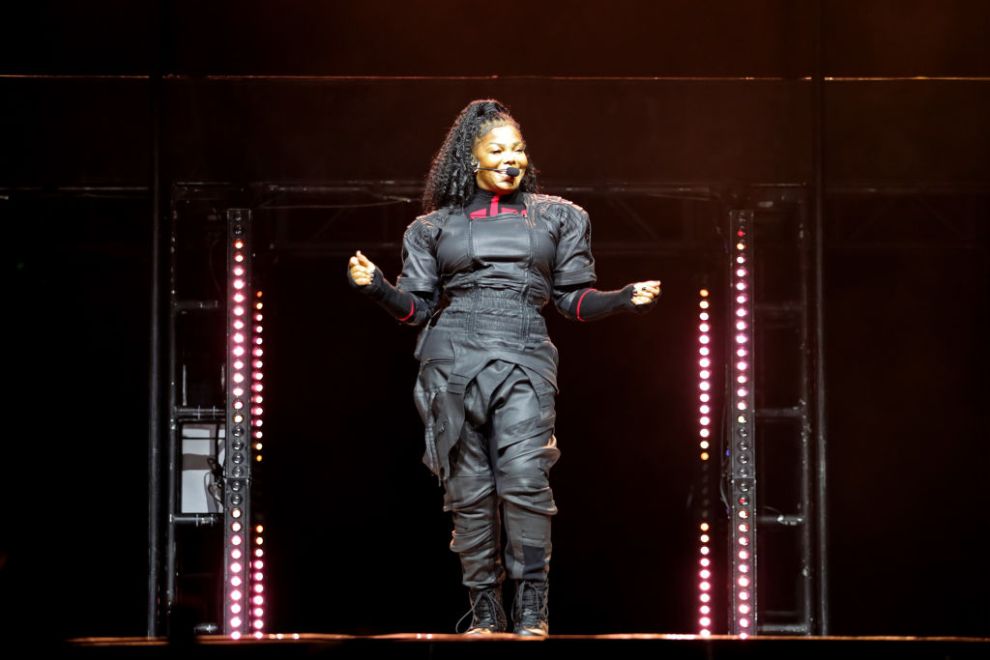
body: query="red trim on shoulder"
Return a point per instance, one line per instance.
(494, 207)
(480, 213)
(577, 310)
(412, 309)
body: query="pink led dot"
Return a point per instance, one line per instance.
(257, 375)
(236, 594)
(705, 632)
(705, 561)
(740, 259)
(259, 588)
(705, 574)
(238, 351)
(741, 299)
(258, 600)
(704, 339)
(742, 352)
(258, 635)
(705, 609)
(238, 391)
(236, 540)
(235, 608)
(744, 623)
(703, 304)
(238, 244)
(705, 397)
(238, 257)
(258, 564)
(705, 586)
(742, 366)
(259, 612)
(258, 340)
(743, 595)
(704, 443)
(740, 245)
(238, 311)
(744, 609)
(741, 379)
(703, 316)
(235, 581)
(258, 577)
(704, 350)
(704, 327)
(238, 337)
(743, 513)
(238, 324)
(258, 624)
(259, 317)
(238, 284)
(236, 621)
(257, 364)
(740, 272)
(238, 404)
(741, 325)
(259, 329)
(742, 405)
(236, 567)
(705, 621)
(235, 635)
(705, 374)
(740, 286)
(741, 339)
(257, 352)
(704, 551)
(705, 386)
(238, 378)
(704, 433)
(236, 553)
(257, 387)
(238, 297)
(744, 554)
(704, 362)
(743, 540)
(744, 568)
(257, 410)
(258, 552)
(239, 271)
(260, 540)
(704, 410)
(704, 598)
(742, 391)
(705, 421)
(743, 581)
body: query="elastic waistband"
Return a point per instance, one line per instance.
(529, 326)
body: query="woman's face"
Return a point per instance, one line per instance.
(500, 148)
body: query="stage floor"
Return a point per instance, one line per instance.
(617, 647)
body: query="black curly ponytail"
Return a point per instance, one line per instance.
(451, 178)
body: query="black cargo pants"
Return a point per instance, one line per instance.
(499, 465)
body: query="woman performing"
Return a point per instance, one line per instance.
(477, 269)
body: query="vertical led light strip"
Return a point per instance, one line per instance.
(742, 424)
(705, 407)
(241, 378)
(257, 411)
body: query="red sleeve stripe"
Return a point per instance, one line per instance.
(578, 309)
(412, 310)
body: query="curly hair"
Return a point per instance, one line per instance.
(451, 179)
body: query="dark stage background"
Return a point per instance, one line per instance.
(607, 92)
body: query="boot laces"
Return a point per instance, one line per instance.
(485, 612)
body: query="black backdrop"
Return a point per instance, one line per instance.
(906, 312)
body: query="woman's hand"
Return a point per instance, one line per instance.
(362, 270)
(644, 293)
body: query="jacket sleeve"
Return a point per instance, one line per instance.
(419, 258)
(573, 262)
(416, 294)
(581, 303)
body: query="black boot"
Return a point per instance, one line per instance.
(487, 615)
(529, 610)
